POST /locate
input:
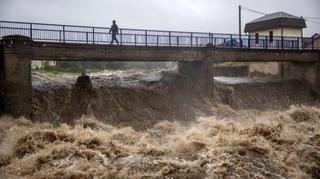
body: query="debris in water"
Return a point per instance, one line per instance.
(281, 145)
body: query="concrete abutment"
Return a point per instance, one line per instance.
(1, 79)
(200, 73)
(308, 72)
(16, 87)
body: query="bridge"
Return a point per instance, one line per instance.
(195, 52)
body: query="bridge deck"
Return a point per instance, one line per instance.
(94, 52)
(143, 37)
(87, 43)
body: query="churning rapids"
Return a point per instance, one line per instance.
(137, 124)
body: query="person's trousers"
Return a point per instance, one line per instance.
(114, 38)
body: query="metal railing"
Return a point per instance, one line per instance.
(100, 35)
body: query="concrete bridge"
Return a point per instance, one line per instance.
(195, 62)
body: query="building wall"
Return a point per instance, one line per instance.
(271, 69)
(41, 64)
(36, 64)
(266, 69)
(292, 32)
(289, 32)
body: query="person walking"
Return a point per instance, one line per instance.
(114, 31)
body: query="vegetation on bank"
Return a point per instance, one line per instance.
(68, 68)
(54, 71)
(77, 67)
(232, 64)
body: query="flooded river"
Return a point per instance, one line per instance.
(138, 124)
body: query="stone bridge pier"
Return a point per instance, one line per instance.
(308, 72)
(200, 73)
(15, 73)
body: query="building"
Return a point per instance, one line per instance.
(42, 64)
(311, 42)
(274, 26)
(277, 24)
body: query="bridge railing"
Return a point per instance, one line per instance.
(100, 35)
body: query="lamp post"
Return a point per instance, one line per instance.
(240, 39)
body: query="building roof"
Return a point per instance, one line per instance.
(307, 41)
(274, 20)
(229, 43)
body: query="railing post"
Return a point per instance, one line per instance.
(298, 43)
(266, 41)
(191, 35)
(169, 38)
(64, 35)
(157, 40)
(120, 36)
(135, 39)
(312, 42)
(249, 39)
(93, 35)
(215, 41)
(177, 41)
(282, 45)
(212, 38)
(59, 36)
(31, 31)
(146, 34)
(87, 40)
(231, 41)
(196, 41)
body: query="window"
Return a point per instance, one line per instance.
(52, 63)
(257, 38)
(270, 36)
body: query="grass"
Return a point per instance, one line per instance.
(56, 71)
(232, 64)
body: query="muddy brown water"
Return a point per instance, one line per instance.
(135, 125)
(263, 94)
(133, 98)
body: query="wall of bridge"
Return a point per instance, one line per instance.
(16, 76)
(194, 63)
(1, 79)
(231, 71)
(310, 72)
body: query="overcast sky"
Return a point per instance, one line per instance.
(186, 15)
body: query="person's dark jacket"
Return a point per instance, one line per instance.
(114, 29)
